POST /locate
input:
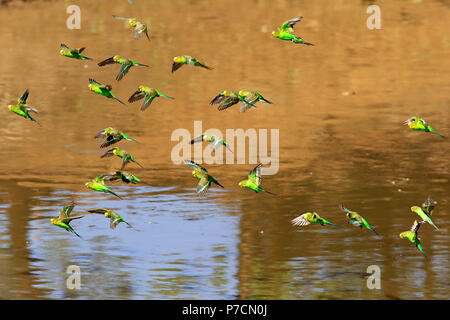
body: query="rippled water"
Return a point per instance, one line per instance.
(339, 108)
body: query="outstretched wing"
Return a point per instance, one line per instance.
(64, 213)
(415, 227)
(300, 221)
(108, 153)
(195, 166)
(198, 139)
(203, 185)
(100, 211)
(228, 102)
(255, 175)
(123, 71)
(288, 26)
(23, 98)
(176, 66)
(106, 62)
(147, 101)
(138, 95)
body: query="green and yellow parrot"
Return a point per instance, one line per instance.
(104, 90)
(226, 99)
(356, 219)
(125, 156)
(65, 217)
(251, 97)
(215, 141)
(22, 109)
(139, 28)
(179, 61)
(423, 215)
(412, 236)
(254, 180)
(98, 184)
(126, 177)
(112, 136)
(148, 94)
(419, 124)
(72, 53)
(205, 178)
(308, 218)
(125, 62)
(114, 217)
(285, 32)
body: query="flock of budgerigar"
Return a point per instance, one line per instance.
(224, 100)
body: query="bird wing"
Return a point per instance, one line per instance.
(108, 153)
(255, 175)
(100, 211)
(194, 165)
(139, 30)
(64, 213)
(109, 141)
(23, 98)
(176, 66)
(138, 95)
(198, 139)
(288, 26)
(92, 81)
(147, 101)
(218, 99)
(121, 18)
(415, 227)
(228, 102)
(203, 185)
(31, 109)
(300, 221)
(123, 71)
(244, 107)
(106, 62)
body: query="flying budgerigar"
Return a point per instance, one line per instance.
(139, 28)
(104, 90)
(22, 109)
(125, 156)
(125, 63)
(205, 178)
(423, 215)
(148, 94)
(356, 219)
(251, 97)
(308, 218)
(65, 217)
(126, 177)
(419, 124)
(179, 61)
(72, 53)
(215, 141)
(411, 236)
(112, 136)
(285, 32)
(114, 217)
(226, 99)
(254, 180)
(98, 184)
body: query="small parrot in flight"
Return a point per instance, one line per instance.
(125, 156)
(104, 90)
(65, 217)
(148, 94)
(215, 141)
(423, 215)
(205, 178)
(419, 124)
(428, 206)
(72, 53)
(124, 176)
(179, 61)
(254, 180)
(356, 219)
(285, 32)
(308, 218)
(411, 236)
(112, 136)
(251, 97)
(114, 217)
(98, 184)
(125, 62)
(226, 99)
(139, 28)
(22, 109)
